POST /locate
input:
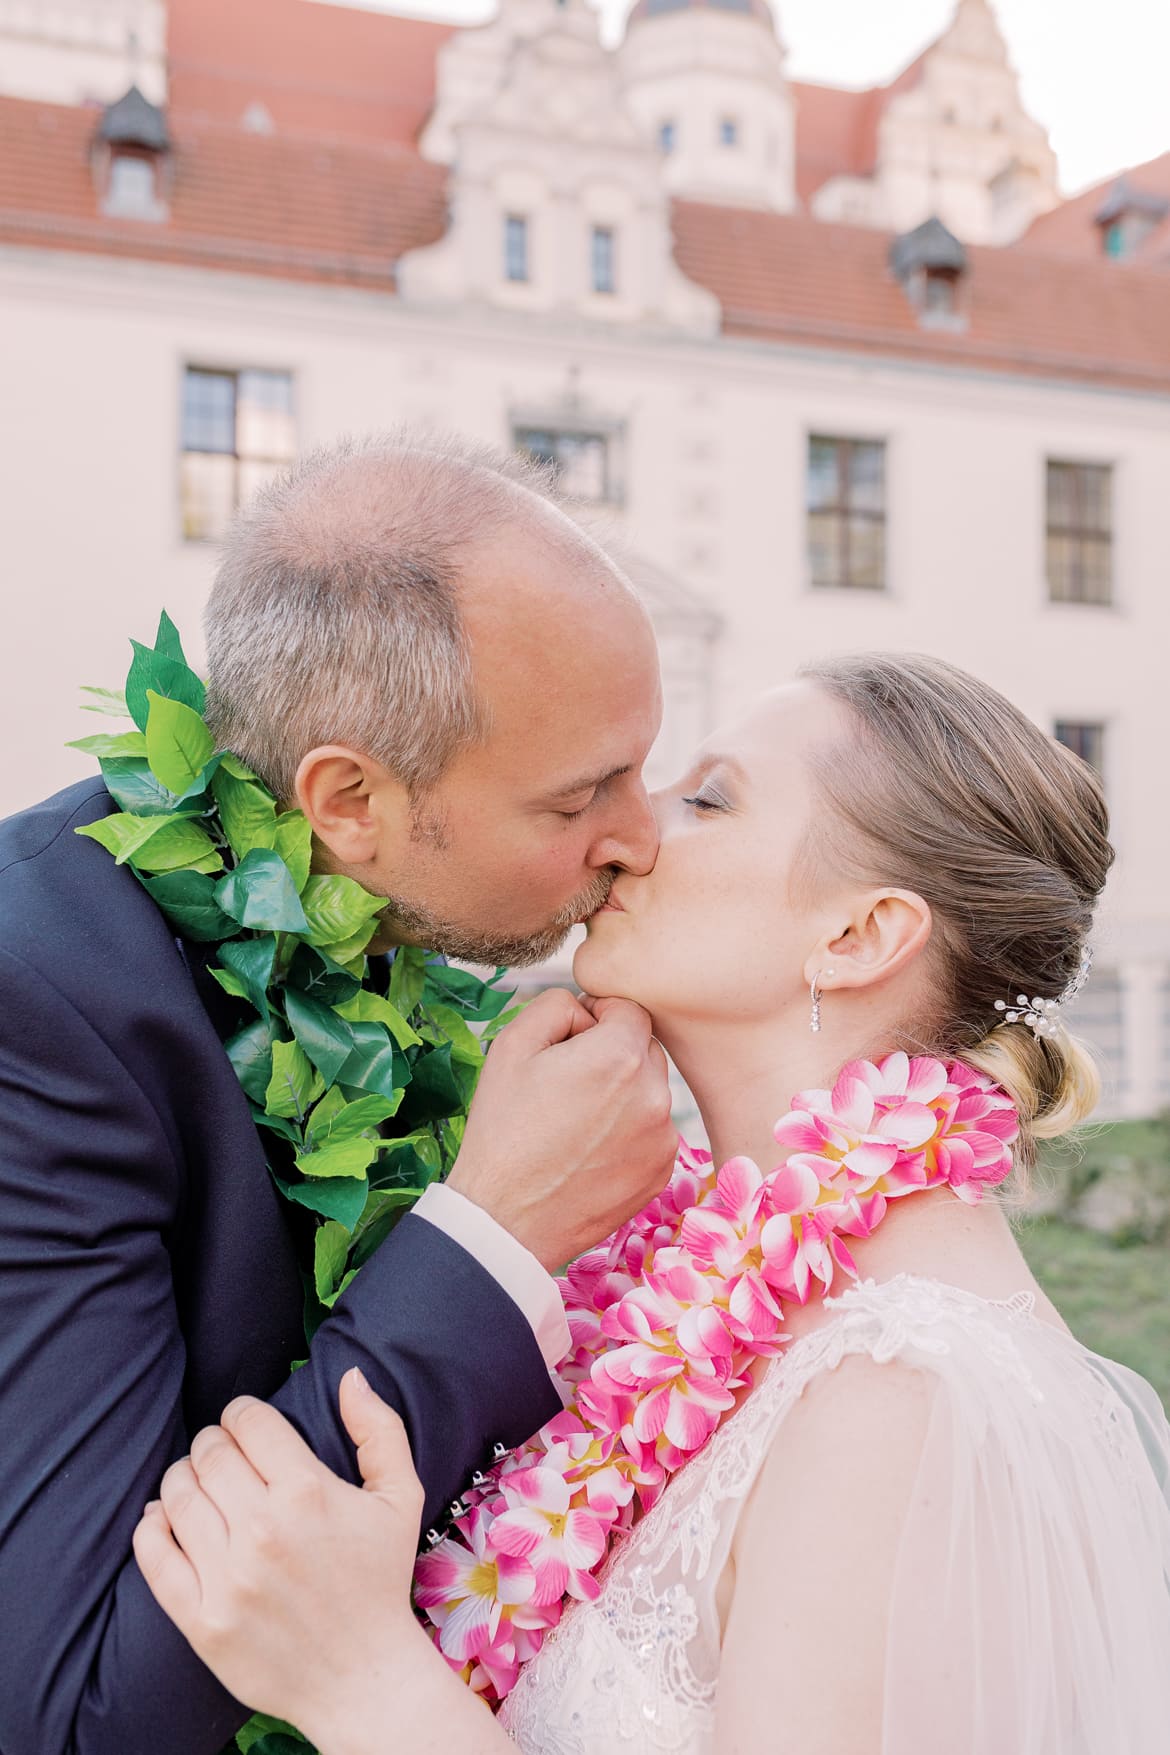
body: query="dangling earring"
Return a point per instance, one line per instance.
(815, 994)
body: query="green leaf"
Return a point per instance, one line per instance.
(349, 950)
(434, 1090)
(383, 1210)
(179, 842)
(187, 898)
(338, 909)
(414, 1159)
(246, 810)
(325, 1038)
(407, 978)
(281, 1125)
(491, 1030)
(153, 843)
(252, 959)
(320, 978)
(239, 770)
(334, 1120)
(167, 640)
(166, 676)
(178, 744)
(250, 1052)
(348, 1158)
(295, 1082)
(281, 1743)
(260, 894)
(370, 1008)
(134, 788)
(375, 1064)
(230, 983)
(292, 838)
(259, 1726)
(111, 743)
(455, 1028)
(330, 1248)
(109, 701)
(478, 1000)
(342, 1198)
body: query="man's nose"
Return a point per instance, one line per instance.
(631, 843)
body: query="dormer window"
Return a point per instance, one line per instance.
(515, 247)
(131, 152)
(1126, 218)
(603, 260)
(667, 137)
(728, 131)
(931, 264)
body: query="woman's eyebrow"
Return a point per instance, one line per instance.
(709, 763)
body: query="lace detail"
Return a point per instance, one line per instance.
(639, 1666)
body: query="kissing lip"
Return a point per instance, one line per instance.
(611, 905)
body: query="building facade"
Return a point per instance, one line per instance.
(838, 370)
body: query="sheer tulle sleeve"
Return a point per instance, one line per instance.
(1030, 1610)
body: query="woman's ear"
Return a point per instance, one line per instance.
(888, 930)
(353, 805)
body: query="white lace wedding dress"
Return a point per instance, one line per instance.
(1038, 1558)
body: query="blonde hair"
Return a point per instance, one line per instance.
(945, 788)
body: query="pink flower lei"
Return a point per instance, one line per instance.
(665, 1321)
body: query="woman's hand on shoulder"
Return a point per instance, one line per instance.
(813, 1559)
(290, 1584)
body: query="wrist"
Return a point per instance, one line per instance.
(350, 1711)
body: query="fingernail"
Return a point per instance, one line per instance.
(151, 1506)
(359, 1382)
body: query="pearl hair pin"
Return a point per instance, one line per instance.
(1043, 1016)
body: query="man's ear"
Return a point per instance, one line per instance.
(353, 804)
(888, 930)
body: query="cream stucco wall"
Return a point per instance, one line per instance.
(91, 358)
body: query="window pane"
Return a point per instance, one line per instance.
(207, 495)
(867, 477)
(867, 553)
(603, 259)
(1097, 569)
(209, 411)
(1097, 497)
(131, 191)
(265, 426)
(515, 247)
(539, 444)
(824, 548)
(1061, 496)
(667, 134)
(823, 474)
(1061, 583)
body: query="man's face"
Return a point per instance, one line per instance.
(524, 833)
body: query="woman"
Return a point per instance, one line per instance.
(935, 1519)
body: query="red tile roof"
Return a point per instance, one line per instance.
(789, 278)
(317, 69)
(338, 192)
(296, 207)
(837, 129)
(1069, 230)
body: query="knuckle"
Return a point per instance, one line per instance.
(304, 1495)
(265, 1534)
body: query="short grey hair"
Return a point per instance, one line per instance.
(335, 617)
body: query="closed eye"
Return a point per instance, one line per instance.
(708, 799)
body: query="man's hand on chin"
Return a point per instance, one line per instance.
(570, 1131)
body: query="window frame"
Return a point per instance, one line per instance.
(607, 259)
(844, 510)
(1080, 535)
(569, 424)
(1097, 727)
(240, 460)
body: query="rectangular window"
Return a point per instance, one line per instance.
(1080, 532)
(515, 247)
(846, 505)
(728, 131)
(238, 431)
(604, 280)
(581, 460)
(1085, 738)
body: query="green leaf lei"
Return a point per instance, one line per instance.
(368, 1092)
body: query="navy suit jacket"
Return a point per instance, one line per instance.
(149, 1272)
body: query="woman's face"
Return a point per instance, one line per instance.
(713, 931)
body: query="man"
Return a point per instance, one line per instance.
(458, 689)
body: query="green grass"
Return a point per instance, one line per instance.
(1115, 1299)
